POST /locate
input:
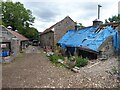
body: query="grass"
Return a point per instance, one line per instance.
(18, 57)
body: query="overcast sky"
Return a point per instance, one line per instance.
(49, 12)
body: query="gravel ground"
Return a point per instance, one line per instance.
(34, 70)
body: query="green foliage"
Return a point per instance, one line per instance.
(31, 33)
(72, 58)
(114, 70)
(80, 62)
(81, 26)
(0, 22)
(61, 57)
(54, 58)
(20, 18)
(113, 18)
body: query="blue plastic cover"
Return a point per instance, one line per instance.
(90, 38)
(4, 53)
(116, 42)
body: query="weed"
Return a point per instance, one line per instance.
(114, 70)
(54, 58)
(81, 62)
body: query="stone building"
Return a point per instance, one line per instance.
(50, 37)
(11, 43)
(97, 41)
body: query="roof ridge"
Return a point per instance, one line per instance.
(18, 35)
(48, 29)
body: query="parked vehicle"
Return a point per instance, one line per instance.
(35, 42)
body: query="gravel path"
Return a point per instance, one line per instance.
(34, 70)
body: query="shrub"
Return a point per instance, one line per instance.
(81, 62)
(54, 58)
(61, 57)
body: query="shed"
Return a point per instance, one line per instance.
(92, 40)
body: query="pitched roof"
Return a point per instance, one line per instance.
(19, 36)
(50, 28)
(47, 30)
(89, 38)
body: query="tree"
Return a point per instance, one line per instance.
(17, 16)
(81, 26)
(113, 19)
(0, 13)
(32, 33)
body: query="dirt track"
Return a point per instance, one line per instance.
(34, 70)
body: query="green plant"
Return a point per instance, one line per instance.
(61, 57)
(72, 58)
(81, 62)
(114, 70)
(54, 58)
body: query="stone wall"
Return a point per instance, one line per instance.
(55, 32)
(47, 39)
(62, 27)
(6, 36)
(107, 48)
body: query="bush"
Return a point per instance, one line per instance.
(81, 62)
(54, 58)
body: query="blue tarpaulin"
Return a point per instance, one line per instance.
(116, 42)
(4, 53)
(90, 37)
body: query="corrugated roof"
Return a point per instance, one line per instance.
(89, 38)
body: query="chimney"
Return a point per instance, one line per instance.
(97, 23)
(76, 26)
(99, 11)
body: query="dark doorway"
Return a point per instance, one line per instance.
(86, 54)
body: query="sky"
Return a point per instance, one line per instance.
(49, 12)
